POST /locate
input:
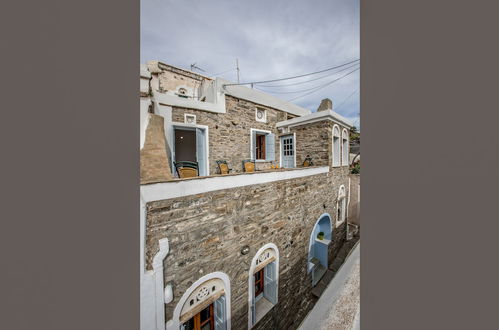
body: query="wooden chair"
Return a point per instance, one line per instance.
(187, 169)
(308, 161)
(223, 168)
(249, 165)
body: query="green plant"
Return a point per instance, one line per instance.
(355, 169)
(320, 235)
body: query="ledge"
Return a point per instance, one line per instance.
(192, 186)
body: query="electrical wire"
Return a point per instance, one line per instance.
(349, 96)
(303, 90)
(294, 77)
(304, 82)
(325, 85)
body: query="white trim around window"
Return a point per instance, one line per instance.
(336, 146)
(261, 258)
(252, 147)
(344, 148)
(174, 323)
(341, 206)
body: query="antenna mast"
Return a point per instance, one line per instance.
(237, 67)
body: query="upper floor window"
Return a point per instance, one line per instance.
(263, 283)
(344, 159)
(336, 145)
(262, 145)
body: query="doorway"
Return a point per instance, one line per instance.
(288, 151)
(318, 259)
(191, 145)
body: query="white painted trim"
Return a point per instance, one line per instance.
(312, 238)
(341, 195)
(281, 150)
(179, 188)
(315, 117)
(344, 136)
(189, 115)
(207, 142)
(332, 146)
(264, 119)
(251, 282)
(174, 323)
(157, 265)
(174, 100)
(251, 144)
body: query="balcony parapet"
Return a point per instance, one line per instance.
(197, 185)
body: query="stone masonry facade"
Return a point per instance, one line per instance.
(154, 165)
(230, 133)
(207, 231)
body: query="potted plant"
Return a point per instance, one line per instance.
(320, 235)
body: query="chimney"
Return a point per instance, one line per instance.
(326, 104)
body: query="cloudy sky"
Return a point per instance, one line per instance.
(271, 39)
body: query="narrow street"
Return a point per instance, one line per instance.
(338, 307)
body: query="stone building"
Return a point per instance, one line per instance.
(242, 250)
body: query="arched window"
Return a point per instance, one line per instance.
(336, 145)
(344, 148)
(341, 206)
(320, 238)
(263, 283)
(205, 305)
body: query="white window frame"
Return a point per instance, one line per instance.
(264, 119)
(174, 323)
(345, 153)
(251, 279)
(336, 157)
(253, 152)
(341, 202)
(176, 125)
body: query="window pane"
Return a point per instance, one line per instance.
(189, 325)
(205, 314)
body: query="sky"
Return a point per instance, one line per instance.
(271, 40)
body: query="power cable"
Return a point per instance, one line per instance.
(288, 78)
(349, 96)
(304, 82)
(302, 90)
(325, 85)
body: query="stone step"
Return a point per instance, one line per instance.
(319, 289)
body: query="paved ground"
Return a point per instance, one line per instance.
(339, 305)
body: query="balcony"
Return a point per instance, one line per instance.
(190, 186)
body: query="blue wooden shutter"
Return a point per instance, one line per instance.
(220, 314)
(253, 145)
(270, 289)
(270, 147)
(201, 151)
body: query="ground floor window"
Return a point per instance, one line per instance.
(204, 320)
(204, 307)
(263, 284)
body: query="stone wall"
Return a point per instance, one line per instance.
(315, 140)
(207, 231)
(229, 133)
(154, 166)
(354, 206)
